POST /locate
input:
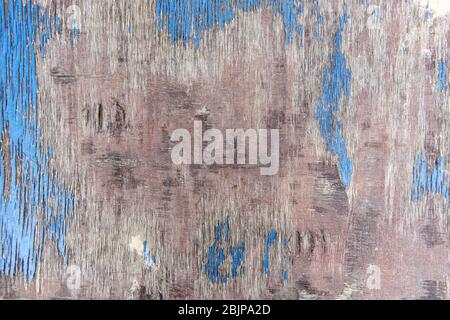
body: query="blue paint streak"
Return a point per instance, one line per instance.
(27, 217)
(427, 11)
(74, 31)
(219, 253)
(442, 77)
(427, 179)
(237, 255)
(335, 85)
(148, 256)
(187, 20)
(318, 25)
(270, 241)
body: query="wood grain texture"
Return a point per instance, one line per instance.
(110, 95)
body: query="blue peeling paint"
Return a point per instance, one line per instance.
(429, 179)
(237, 257)
(442, 77)
(318, 25)
(187, 20)
(57, 23)
(29, 215)
(49, 26)
(270, 241)
(149, 256)
(285, 255)
(427, 11)
(221, 253)
(335, 86)
(74, 31)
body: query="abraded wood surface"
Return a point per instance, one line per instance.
(358, 209)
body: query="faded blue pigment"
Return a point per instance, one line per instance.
(149, 256)
(442, 77)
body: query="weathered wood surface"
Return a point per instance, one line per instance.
(110, 92)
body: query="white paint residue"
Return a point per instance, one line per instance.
(137, 244)
(437, 7)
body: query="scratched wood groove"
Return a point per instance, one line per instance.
(110, 94)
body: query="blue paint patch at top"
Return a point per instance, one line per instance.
(427, 179)
(336, 84)
(34, 205)
(187, 20)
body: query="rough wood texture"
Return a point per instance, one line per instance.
(358, 210)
